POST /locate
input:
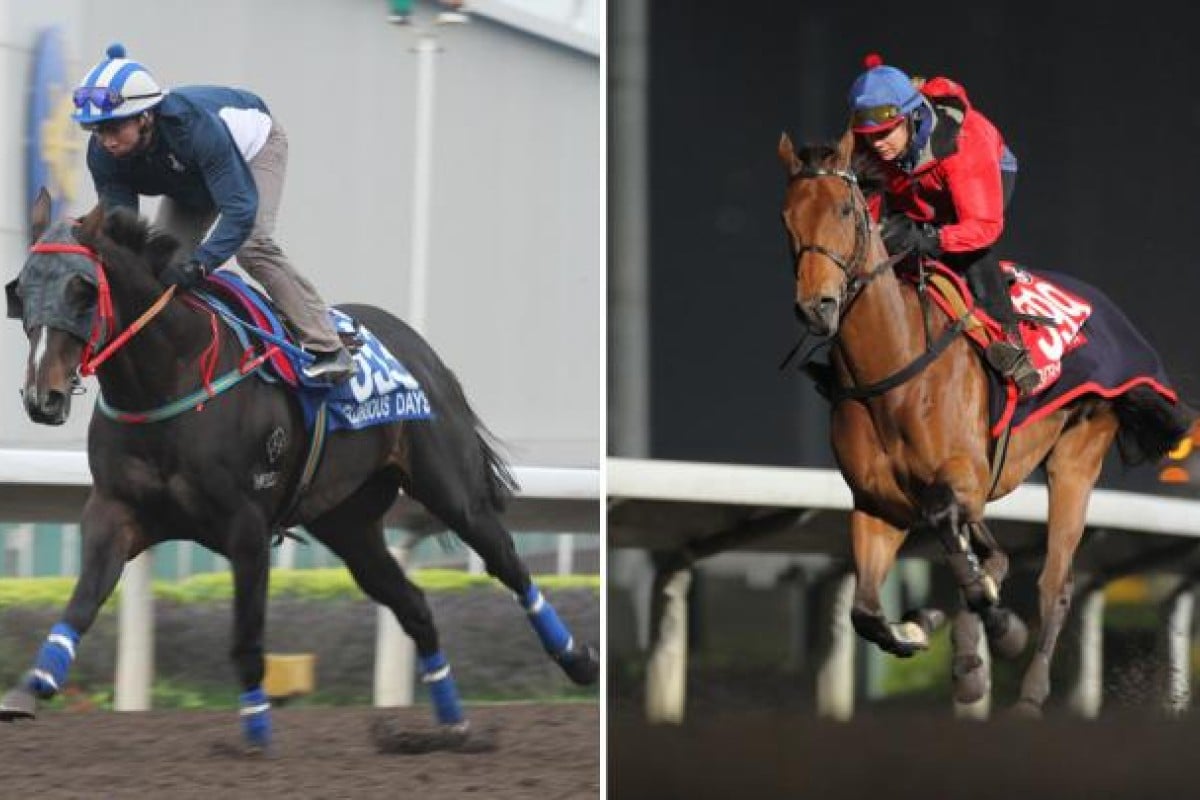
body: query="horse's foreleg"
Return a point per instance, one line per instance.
(250, 559)
(109, 537)
(1071, 470)
(875, 544)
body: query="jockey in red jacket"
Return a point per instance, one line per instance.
(948, 176)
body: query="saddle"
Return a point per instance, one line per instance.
(230, 295)
(1052, 317)
(382, 391)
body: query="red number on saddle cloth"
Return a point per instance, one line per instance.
(1048, 344)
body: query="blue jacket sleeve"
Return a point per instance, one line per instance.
(231, 185)
(110, 190)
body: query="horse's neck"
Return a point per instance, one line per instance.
(882, 332)
(145, 370)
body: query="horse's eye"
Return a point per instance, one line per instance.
(80, 294)
(847, 209)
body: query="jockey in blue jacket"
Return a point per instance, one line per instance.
(213, 154)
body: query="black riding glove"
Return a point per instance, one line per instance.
(902, 233)
(184, 274)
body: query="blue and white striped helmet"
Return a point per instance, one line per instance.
(115, 88)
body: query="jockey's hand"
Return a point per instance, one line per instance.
(184, 274)
(902, 233)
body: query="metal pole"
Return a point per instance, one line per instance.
(1178, 689)
(395, 654)
(426, 48)
(566, 554)
(666, 673)
(69, 558)
(1087, 694)
(835, 675)
(20, 543)
(135, 636)
(628, 277)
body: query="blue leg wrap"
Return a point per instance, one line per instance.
(550, 629)
(49, 673)
(435, 673)
(256, 717)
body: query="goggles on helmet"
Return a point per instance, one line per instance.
(876, 116)
(105, 98)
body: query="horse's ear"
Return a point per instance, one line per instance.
(39, 216)
(88, 232)
(845, 149)
(787, 154)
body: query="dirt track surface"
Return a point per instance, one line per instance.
(906, 756)
(545, 751)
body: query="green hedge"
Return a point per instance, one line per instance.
(316, 584)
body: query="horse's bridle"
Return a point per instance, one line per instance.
(851, 266)
(857, 280)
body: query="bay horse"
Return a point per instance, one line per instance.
(225, 473)
(910, 431)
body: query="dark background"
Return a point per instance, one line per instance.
(1103, 114)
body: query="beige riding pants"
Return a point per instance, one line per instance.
(260, 256)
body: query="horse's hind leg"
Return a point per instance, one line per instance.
(875, 544)
(354, 532)
(453, 483)
(110, 536)
(1072, 469)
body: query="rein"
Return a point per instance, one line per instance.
(102, 332)
(856, 281)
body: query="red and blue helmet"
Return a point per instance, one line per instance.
(881, 98)
(115, 88)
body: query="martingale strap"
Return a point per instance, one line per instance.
(195, 400)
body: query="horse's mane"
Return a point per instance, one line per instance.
(867, 168)
(127, 229)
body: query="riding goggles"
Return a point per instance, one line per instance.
(104, 98)
(874, 118)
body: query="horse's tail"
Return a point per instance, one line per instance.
(497, 472)
(1150, 425)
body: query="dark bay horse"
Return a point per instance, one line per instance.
(910, 431)
(224, 476)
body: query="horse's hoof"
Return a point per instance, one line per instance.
(930, 619)
(242, 749)
(970, 679)
(1007, 633)
(581, 663)
(18, 704)
(912, 636)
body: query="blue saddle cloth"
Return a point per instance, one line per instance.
(381, 391)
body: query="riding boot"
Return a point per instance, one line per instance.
(1007, 356)
(1010, 358)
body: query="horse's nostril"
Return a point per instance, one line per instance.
(827, 304)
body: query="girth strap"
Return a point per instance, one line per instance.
(316, 449)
